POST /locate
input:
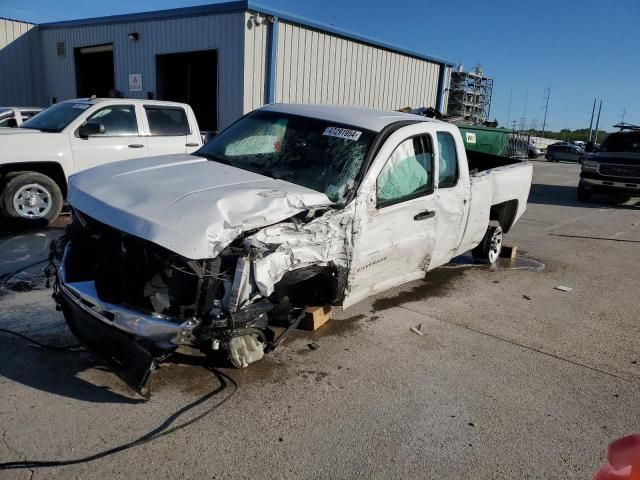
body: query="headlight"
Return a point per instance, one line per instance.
(590, 166)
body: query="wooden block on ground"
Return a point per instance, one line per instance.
(509, 251)
(315, 317)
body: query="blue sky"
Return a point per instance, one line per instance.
(580, 48)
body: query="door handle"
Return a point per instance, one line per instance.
(136, 145)
(193, 145)
(424, 215)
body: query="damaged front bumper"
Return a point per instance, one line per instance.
(128, 340)
(157, 328)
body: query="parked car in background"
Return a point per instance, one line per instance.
(37, 159)
(534, 152)
(567, 152)
(292, 205)
(11, 117)
(614, 168)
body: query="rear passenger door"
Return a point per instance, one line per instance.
(169, 130)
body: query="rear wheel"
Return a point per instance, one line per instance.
(31, 196)
(491, 245)
(551, 158)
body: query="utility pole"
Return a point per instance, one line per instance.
(546, 109)
(598, 122)
(593, 110)
(513, 126)
(523, 120)
(509, 110)
(624, 112)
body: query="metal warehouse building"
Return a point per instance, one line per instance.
(224, 59)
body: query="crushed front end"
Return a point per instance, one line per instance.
(133, 302)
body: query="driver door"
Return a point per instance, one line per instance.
(121, 139)
(396, 216)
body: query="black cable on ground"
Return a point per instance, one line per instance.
(8, 275)
(35, 343)
(159, 432)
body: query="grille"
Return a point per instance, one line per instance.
(632, 171)
(61, 49)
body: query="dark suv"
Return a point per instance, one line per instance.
(614, 168)
(564, 151)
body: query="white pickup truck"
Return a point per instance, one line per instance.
(37, 159)
(291, 206)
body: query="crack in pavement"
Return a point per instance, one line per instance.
(16, 453)
(527, 347)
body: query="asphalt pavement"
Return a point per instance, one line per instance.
(512, 379)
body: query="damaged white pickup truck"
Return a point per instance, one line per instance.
(291, 206)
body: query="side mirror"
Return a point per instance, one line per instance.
(88, 129)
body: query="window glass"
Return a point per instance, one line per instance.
(57, 117)
(167, 121)
(408, 172)
(622, 142)
(448, 160)
(4, 122)
(321, 155)
(118, 120)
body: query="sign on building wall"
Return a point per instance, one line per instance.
(135, 82)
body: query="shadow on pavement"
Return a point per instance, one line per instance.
(55, 372)
(566, 195)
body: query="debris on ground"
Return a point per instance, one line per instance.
(526, 297)
(314, 346)
(416, 331)
(564, 288)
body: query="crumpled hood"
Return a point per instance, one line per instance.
(187, 204)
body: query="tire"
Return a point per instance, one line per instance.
(550, 158)
(584, 195)
(490, 247)
(31, 197)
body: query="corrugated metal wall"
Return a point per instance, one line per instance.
(19, 63)
(172, 35)
(316, 67)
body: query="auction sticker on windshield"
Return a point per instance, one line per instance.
(342, 133)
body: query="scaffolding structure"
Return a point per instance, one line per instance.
(470, 95)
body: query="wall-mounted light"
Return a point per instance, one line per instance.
(134, 37)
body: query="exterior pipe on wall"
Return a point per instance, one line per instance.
(272, 60)
(441, 82)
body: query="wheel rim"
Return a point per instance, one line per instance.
(32, 201)
(495, 247)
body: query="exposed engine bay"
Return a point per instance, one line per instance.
(228, 304)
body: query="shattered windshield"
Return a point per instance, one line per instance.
(317, 154)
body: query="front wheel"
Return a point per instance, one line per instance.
(584, 195)
(31, 196)
(491, 245)
(550, 158)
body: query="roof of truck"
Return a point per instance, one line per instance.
(367, 118)
(121, 100)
